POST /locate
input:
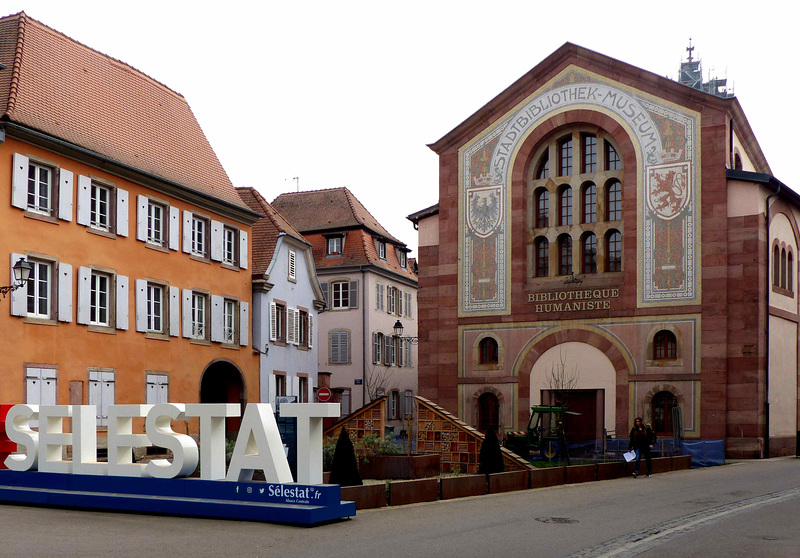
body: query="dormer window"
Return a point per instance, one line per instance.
(335, 246)
(381, 250)
(402, 257)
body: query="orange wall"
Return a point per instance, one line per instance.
(72, 346)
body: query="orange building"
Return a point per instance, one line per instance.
(140, 289)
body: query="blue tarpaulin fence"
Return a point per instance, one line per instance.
(703, 453)
(706, 453)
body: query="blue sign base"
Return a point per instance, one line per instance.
(252, 501)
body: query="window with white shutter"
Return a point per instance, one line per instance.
(101, 393)
(292, 265)
(157, 389)
(339, 347)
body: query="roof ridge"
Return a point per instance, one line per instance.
(15, 70)
(282, 224)
(103, 54)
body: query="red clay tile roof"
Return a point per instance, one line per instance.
(331, 209)
(266, 230)
(62, 88)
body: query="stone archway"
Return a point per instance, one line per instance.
(223, 382)
(618, 359)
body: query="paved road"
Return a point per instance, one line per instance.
(741, 509)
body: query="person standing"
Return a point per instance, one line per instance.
(642, 440)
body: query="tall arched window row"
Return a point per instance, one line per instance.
(614, 251)
(589, 199)
(565, 206)
(542, 208)
(542, 257)
(776, 266)
(565, 255)
(614, 200)
(589, 253)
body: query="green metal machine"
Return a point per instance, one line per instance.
(546, 434)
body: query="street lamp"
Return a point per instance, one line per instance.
(398, 331)
(22, 274)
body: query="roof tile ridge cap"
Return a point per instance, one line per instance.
(104, 55)
(350, 200)
(16, 70)
(276, 218)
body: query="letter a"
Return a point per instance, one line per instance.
(259, 446)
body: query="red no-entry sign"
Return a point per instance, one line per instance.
(324, 394)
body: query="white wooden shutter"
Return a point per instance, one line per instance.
(335, 357)
(399, 303)
(344, 346)
(141, 217)
(84, 289)
(273, 321)
(408, 360)
(273, 388)
(187, 313)
(217, 304)
(216, 241)
(84, 200)
(243, 249)
(292, 265)
(376, 348)
(244, 324)
(174, 311)
(123, 212)
(310, 334)
(19, 182)
(122, 302)
(64, 292)
(65, 188)
(187, 232)
(141, 305)
(292, 323)
(19, 297)
(353, 295)
(296, 387)
(174, 227)
(157, 389)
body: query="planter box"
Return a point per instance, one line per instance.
(610, 470)
(413, 491)
(547, 476)
(507, 482)
(366, 497)
(400, 466)
(463, 486)
(574, 474)
(661, 465)
(681, 462)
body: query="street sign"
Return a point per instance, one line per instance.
(324, 394)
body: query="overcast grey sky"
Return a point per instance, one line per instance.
(349, 93)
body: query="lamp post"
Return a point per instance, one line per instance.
(398, 331)
(22, 274)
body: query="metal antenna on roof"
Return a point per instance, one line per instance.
(297, 182)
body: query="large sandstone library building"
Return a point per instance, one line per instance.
(623, 232)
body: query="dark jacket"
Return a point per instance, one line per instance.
(642, 439)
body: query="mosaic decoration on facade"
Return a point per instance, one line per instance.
(455, 441)
(666, 187)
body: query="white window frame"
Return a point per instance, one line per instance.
(40, 289)
(377, 347)
(100, 200)
(382, 250)
(199, 316)
(38, 202)
(230, 320)
(156, 223)
(229, 244)
(403, 258)
(156, 306)
(100, 298)
(199, 236)
(335, 245)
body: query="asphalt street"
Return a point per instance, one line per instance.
(748, 508)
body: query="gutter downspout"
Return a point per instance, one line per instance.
(766, 328)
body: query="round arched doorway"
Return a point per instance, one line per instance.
(223, 383)
(488, 412)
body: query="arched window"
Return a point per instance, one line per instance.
(589, 253)
(783, 268)
(665, 346)
(589, 195)
(565, 157)
(543, 169)
(776, 266)
(565, 255)
(589, 149)
(542, 208)
(489, 353)
(542, 257)
(612, 158)
(789, 271)
(614, 200)
(662, 410)
(488, 412)
(613, 251)
(565, 206)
